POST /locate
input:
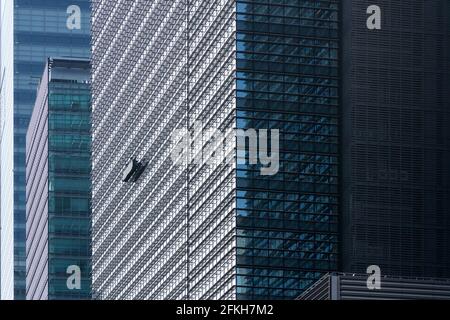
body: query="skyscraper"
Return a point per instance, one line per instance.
(287, 79)
(58, 155)
(213, 230)
(36, 30)
(396, 138)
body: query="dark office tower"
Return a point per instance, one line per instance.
(39, 29)
(396, 138)
(59, 184)
(202, 230)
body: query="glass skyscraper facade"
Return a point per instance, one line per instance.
(287, 79)
(59, 183)
(41, 29)
(203, 231)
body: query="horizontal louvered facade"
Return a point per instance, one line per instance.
(354, 287)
